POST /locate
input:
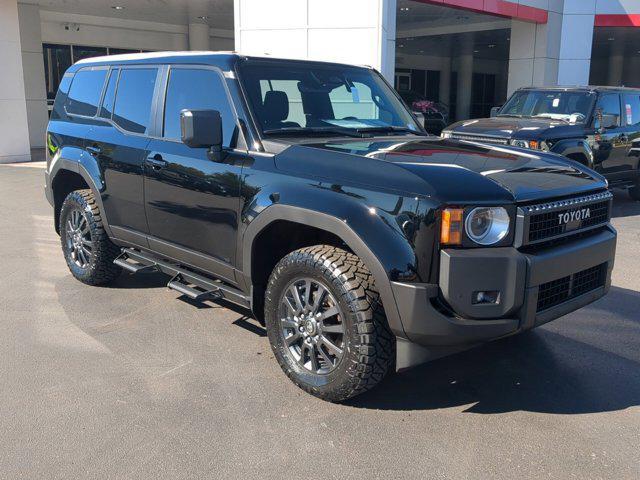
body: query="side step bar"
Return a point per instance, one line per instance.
(193, 285)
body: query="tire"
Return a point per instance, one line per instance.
(366, 342)
(81, 226)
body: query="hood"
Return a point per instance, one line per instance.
(511, 127)
(458, 170)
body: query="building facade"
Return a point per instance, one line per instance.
(467, 54)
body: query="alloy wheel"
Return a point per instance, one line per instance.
(312, 325)
(79, 243)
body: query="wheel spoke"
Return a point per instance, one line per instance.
(82, 224)
(325, 357)
(329, 312)
(314, 358)
(333, 328)
(82, 257)
(296, 297)
(292, 339)
(307, 293)
(86, 253)
(87, 243)
(288, 323)
(334, 349)
(319, 297)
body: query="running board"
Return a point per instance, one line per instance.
(190, 284)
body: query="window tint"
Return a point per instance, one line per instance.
(132, 109)
(197, 89)
(609, 104)
(632, 108)
(109, 95)
(85, 92)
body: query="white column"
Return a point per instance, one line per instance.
(199, 36)
(354, 31)
(555, 53)
(33, 70)
(14, 140)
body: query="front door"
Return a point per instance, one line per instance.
(192, 201)
(613, 143)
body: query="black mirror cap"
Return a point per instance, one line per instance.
(201, 128)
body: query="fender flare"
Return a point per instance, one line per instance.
(572, 146)
(337, 227)
(75, 160)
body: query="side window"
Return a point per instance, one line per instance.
(132, 109)
(85, 92)
(196, 89)
(609, 104)
(110, 94)
(632, 108)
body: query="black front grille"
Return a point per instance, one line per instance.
(560, 218)
(554, 293)
(547, 225)
(480, 138)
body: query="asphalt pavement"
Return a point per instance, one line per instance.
(130, 381)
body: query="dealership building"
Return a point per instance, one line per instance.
(468, 54)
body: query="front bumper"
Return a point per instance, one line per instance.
(444, 316)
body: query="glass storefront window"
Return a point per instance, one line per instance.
(57, 58)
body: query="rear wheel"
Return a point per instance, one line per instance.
(326, 324)
(87, 249)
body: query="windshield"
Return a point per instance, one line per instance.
(297, 98)
(572, 107)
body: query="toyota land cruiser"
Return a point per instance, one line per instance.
(308, 192)
(596, 126)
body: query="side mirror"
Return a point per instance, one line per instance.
(202, 129)
(420, 117)
(495, 111)
(608, 121)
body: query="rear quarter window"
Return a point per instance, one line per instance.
(84, 94)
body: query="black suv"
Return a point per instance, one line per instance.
(596, 126)
(307, 192)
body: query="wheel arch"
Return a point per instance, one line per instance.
(574, 149)
(336, 229)
(70, 171)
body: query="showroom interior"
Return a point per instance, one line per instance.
(468, 55)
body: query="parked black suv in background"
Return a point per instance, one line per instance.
(596, 126)
(307, 192)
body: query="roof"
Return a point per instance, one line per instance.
(224, 60)
(586, 88)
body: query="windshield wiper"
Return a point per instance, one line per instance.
(542, 115)
(301, 131)
(509, 115)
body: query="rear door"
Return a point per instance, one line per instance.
(120, 142)
(192, 201)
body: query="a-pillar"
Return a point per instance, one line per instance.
(465, 80)
(353, 31)
(14, 140)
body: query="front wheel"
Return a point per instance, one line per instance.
(326, 324)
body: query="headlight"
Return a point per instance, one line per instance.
(520, 143)
(445, 134)
(487, 225)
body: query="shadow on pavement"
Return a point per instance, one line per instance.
(539, 371)
(623, 205)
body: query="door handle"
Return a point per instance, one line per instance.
(94, 150)
(156, 162)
